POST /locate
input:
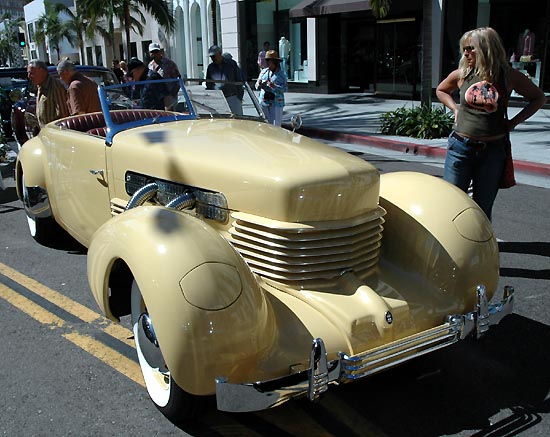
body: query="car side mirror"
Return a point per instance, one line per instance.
(295, 122)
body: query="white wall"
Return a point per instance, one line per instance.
(33, 11)
(230, 26)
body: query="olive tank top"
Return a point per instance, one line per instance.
(482, 108)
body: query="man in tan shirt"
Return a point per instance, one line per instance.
(82, 95)
(51, 99)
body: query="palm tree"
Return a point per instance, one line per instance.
(380, 8)
(8, 38)
(50, 24)
(5, 48)
(79, 24)
(126, 11)
(159, 9)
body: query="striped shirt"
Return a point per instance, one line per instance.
(51, 101)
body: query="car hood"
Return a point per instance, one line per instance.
(261, 169)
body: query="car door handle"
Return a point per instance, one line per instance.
(97, 172)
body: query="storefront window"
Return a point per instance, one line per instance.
(527, 32)
(397, 64)
(288, 38)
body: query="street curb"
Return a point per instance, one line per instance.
(408, 147)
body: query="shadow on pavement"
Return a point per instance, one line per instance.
(525, 248)
(8, 195)
(532, 247)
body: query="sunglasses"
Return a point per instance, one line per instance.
(468, 49)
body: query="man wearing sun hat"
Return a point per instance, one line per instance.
(224, 68)
(163, 66)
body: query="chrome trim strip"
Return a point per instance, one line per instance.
(321, 372)
(386, 359)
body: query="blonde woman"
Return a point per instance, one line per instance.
(476, 147)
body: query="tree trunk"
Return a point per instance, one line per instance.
(128, 43)
(127, 19)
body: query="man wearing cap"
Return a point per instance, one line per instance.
(153, 95)
(51, 99)
(223, 68)
(163, 66)
(82, 96)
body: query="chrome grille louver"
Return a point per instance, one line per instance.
(308, 254)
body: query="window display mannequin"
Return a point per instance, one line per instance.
(526, 43)
(284, 53)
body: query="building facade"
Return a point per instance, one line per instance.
(338, 46)
(13, 8)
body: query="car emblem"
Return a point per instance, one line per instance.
(389, 317)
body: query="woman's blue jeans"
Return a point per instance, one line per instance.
(481, 166)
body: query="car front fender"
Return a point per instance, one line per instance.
(208, 311)
(437, 237)
(31, 162)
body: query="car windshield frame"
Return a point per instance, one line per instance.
(194, 101)
(250, 99)
(109, 104)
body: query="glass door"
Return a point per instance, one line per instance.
(398, 53)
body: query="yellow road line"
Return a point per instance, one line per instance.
(55, 297)
(102, 352)
(30, 308)
(69, 305)
(109, 356)
(119, 332)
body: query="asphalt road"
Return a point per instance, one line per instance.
(64, 370)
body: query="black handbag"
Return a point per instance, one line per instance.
(269, 95)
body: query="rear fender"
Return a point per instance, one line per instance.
(436, 237)
(202, 298)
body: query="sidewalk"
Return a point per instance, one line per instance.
(355, 118)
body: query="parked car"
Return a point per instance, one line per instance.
(256, 264)
(13, 82)
(25, 124)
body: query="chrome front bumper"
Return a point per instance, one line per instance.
(321, 372)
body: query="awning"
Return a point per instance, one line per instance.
(312, 8)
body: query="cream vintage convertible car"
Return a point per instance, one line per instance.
(257, 264)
